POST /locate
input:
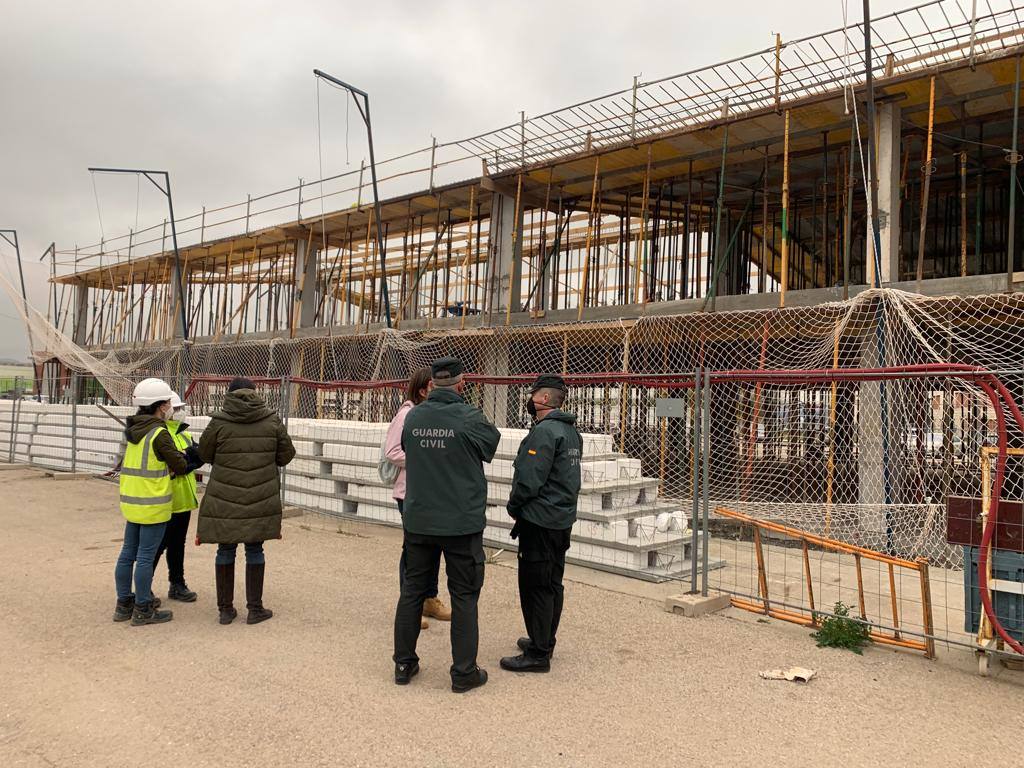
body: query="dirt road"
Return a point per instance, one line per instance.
(631, 684)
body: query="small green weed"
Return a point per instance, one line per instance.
(840, 631)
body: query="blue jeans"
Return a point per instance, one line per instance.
(253, 554)
(432, 590)
(138, 550)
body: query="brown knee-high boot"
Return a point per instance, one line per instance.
(254, 593)
(226, 592)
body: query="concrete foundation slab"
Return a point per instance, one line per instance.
(694, 605)
(70, 475)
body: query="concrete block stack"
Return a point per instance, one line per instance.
(623, 525)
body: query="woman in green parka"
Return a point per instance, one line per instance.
(246, 444)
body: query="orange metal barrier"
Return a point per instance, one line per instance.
(809, 617)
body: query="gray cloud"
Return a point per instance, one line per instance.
(222, 95)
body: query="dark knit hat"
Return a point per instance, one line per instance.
(446, 372)
(548, 381)
(240, 383)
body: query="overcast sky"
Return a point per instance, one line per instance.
(221, 94)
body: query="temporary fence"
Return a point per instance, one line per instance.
(861, 425)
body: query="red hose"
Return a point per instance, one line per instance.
(993, 509)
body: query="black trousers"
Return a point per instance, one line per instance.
(174, 544)
(432, 592)
(541, 595)
(464, 563)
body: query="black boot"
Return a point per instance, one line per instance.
(146, 613)
(406, 672)
(226, 592)
(180, 591)
(524, 644)
(525, 663)
(474, 680)
(124, 608)
(254, 593)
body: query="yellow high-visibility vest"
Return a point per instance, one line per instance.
(146, 495)
(183, 488)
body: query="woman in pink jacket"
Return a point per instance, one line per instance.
(416, 393)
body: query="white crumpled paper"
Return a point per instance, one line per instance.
(793, 674)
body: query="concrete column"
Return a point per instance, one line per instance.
(80, 323)
(871, 452)
(495, 400)
(888, 133)
(178, 293)
(307, 262)
(506, 253)
(306, 269)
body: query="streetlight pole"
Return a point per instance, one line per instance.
(364, 111)
(6, 235)
(166, 190)
(52, 253)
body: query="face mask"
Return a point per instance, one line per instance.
(531, 408)
(180, 413)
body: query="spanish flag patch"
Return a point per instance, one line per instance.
(531, 451)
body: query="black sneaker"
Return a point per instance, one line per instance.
(524, 663)
(406, 672)
(148, 614)
(470, 682)
(181, 592)
(124, 609)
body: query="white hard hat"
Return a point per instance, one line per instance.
(149, 391)
(176, 402)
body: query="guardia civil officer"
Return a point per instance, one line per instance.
(446, 441)
(545, 487)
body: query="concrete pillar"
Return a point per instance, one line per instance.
(178, 293)
(80, 323)
(80, 335)
(307, 262)
(495, 403)
(306, 269)
(871, 451)
(888, 133)
(506, 253)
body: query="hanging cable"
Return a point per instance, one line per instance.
(138, 193)
(320, 161)
(96, 197)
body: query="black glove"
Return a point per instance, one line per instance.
(192, 459)
(514, 533)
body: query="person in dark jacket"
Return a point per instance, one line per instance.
(245, 443)
(148, 466)
(446, 441)
(184, 499)
(545, 488)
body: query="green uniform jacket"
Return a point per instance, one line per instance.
(446, 441)
(546, 482)
(245, 443)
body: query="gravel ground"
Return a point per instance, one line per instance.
(631, 684)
